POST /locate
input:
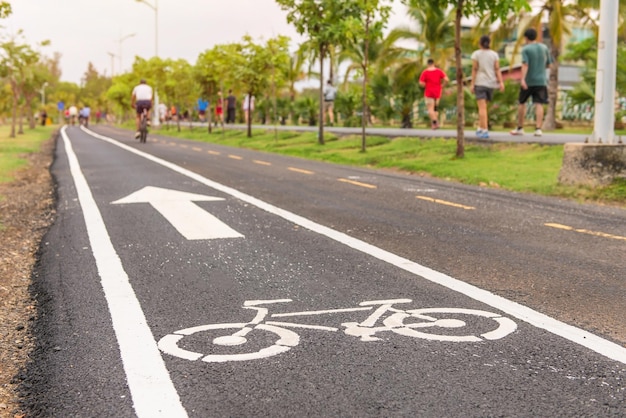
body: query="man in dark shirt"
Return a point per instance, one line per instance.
(231, 105)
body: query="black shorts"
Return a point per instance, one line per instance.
(483, 93)
(538, 93)
(141, 105)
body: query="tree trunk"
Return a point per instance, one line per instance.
(364, 101)
(320, 134)
(250, 96)
(20, 129)
(549, 122)
(30, 116)
(14, 116)
(460, 98)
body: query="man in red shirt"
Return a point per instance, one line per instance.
(432, 80)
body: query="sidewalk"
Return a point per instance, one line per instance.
(548, 138)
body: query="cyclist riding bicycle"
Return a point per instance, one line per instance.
(141, 99)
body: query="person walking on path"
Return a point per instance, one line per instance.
(535, 60)
(219, 109)
(248, 107)
(486, 77)
(231, 106)
(330, 93)
(432, 80)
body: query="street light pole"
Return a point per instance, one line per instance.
(119, 41)
(155, 7)
(112, 55)
(604, 118)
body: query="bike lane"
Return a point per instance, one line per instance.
(335, 362)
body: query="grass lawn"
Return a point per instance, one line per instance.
(529, 168)
(14, 150)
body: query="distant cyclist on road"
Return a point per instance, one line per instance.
(141, 99)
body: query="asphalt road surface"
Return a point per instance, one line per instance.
(191, 279)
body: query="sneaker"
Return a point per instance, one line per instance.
(483, 135)
(479, 132)
(538, 132)
(137, 135)
(517, 131)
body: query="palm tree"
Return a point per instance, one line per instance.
(434, 34)
(293, 74)
(561, 15)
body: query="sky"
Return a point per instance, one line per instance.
(84, 31)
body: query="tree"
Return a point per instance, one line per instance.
(434, 34)
(466, 8)
(364, 31)
(5, 9)
(181, 86)
(293, 74)
(255, 64)
(17, 61)
(212, 70)
(561, 14)
(324, 22)
(94, 88)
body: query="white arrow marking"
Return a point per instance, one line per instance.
(178, 208)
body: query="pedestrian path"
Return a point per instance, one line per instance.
(548, 138)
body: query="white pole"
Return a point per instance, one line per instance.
(604, 119)
(112, 55)
(155, 7)
(155, 111)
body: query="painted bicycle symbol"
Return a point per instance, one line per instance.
(425, 323)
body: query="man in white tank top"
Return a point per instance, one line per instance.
(141, 99)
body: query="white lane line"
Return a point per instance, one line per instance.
(537, 319)
(149, 382)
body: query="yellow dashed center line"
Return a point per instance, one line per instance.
(585, 231)
(299, 170)
(261, 162)
(197, 149)
(184, 146)
(172, 144)
(235, 157)
(443, 202)
(358, 183)
(213, 152)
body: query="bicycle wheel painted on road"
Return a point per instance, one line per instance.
(430, 319)
(286, 339)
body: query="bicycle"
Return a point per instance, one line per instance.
(415, 323)
(143, 127)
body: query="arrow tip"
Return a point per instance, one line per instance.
(156, 194)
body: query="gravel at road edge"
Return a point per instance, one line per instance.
(26, 213)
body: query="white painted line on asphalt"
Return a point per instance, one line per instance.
(149, 382)
(537, 319)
